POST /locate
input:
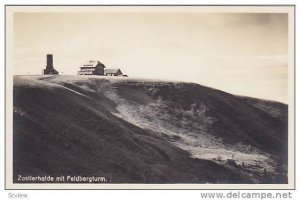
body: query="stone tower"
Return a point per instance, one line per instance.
(49, 68)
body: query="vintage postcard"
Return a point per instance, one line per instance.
(150, 97)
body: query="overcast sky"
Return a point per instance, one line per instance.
(245, 54)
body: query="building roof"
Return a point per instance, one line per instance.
(92, 63)
(111, 71)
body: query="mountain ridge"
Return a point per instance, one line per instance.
(139, 131)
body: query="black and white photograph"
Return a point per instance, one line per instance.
(150, 97)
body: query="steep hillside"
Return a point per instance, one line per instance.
(138, 131)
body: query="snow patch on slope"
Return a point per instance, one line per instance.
(192, 136)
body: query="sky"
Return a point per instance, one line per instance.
(240, 53)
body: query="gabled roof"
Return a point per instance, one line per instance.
(92, 63)
(111, 71)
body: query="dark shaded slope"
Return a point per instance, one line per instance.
(275, 109)
(58, 132)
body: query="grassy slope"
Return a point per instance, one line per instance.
(236, 120)
(58, 132)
